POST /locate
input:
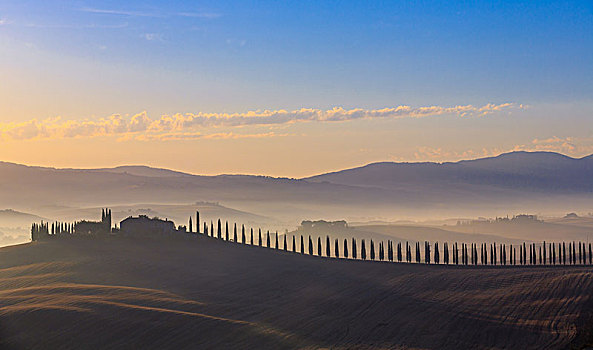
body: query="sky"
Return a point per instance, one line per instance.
(291, 88)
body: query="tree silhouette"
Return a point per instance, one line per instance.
(381, 253)
(197, 221)
(268, 239)
(372, 250)
(293, 244)
(191, 229)
(363, 251)
(226, 231)
(436, 253)
(418, 252)
(259, 238)
(345, 248)
(242, 233)
(205, 229)
(276, 246)
(219, 229)
(310, 246)
(285, 247)
(319, 250)
(251, 238)
(564, 253)
(354, 251)
(336, 249)
(302, 245)
(235, 233)
(327, 247)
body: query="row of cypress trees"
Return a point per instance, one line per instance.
(572, 253)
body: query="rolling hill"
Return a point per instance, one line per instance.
(205, 293)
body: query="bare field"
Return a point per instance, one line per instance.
(198, 292)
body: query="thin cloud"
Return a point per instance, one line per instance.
(120, 12)
(178, 125)
(126, 13)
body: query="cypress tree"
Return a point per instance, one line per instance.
(276, 245)
(205, 228)
(285, 245)
(302, 245)
(363, 252)
(336, 249)
(327, 247)
(235, 233)
(354, 252)
(437, 258)
(268, 239)
(372, 250)
(226, 231)
(345, 248)
(381, 251)
(564, 253)
(389, 250)
(580, 254)
(293, 244)
(260, 243)
(197, 221)
(310, 246)
(243, 234)
(319, 250)
(590, 255)
(219, 230)
(190, 226)
(408, 252)
(251, 237)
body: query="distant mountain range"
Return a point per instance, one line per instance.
(510, 182)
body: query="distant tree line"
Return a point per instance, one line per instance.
(545, 253)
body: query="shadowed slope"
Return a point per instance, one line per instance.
(204, 293)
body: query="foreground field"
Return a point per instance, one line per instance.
(203, 293)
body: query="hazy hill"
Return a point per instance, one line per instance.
(13, 218)
(506, 184)
(201, 293)
(535, 171)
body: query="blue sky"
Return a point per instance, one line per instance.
(89, 59)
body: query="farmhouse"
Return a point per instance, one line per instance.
(143, 226)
